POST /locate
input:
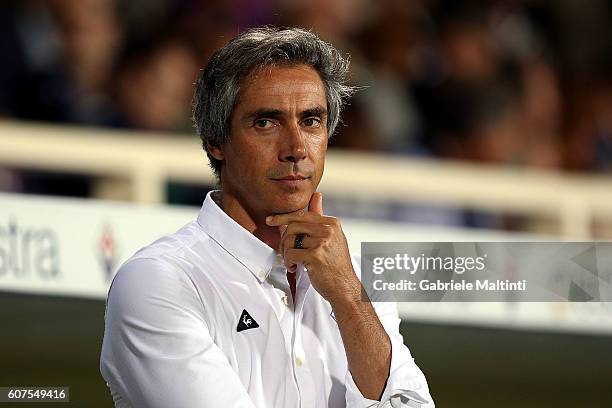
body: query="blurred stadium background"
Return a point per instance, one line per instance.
(481, 119)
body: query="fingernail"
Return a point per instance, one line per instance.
(269, 218)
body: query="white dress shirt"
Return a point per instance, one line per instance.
(177, 334)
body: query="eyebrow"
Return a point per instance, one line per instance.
(316, 111)
(264, 112)
(277, 113)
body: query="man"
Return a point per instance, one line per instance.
(258, 302)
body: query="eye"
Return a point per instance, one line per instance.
(264, 123)
(313, 122)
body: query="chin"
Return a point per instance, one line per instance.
(291, 202)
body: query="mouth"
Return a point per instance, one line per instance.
(292, 180)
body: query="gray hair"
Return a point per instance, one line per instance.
(218, 84)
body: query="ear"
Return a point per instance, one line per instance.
(215, 151)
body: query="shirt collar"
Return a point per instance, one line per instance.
(254, 254)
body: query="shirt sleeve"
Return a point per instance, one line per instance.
(157, 349)
(406, 385)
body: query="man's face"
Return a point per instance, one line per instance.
(274, 160)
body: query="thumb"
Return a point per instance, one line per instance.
(316, 203)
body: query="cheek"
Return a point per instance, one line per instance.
(249, 160)
(318, 148)
(316, 143)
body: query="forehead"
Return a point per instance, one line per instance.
(282, 85)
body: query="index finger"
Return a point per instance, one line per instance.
(298, 216)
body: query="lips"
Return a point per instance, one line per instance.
(292, 177)
(292, 181)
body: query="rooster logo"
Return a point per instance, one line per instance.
(246, 322)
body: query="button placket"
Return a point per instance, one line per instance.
(300, 366)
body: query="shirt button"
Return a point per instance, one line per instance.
(262, 274)
(299, 361)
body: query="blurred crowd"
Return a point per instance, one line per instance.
(523, 82)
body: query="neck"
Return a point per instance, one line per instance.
(249, 219)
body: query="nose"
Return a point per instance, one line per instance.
(293, 148)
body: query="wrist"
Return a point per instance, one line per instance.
(347, 299)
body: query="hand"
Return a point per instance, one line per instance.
(325, 254)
